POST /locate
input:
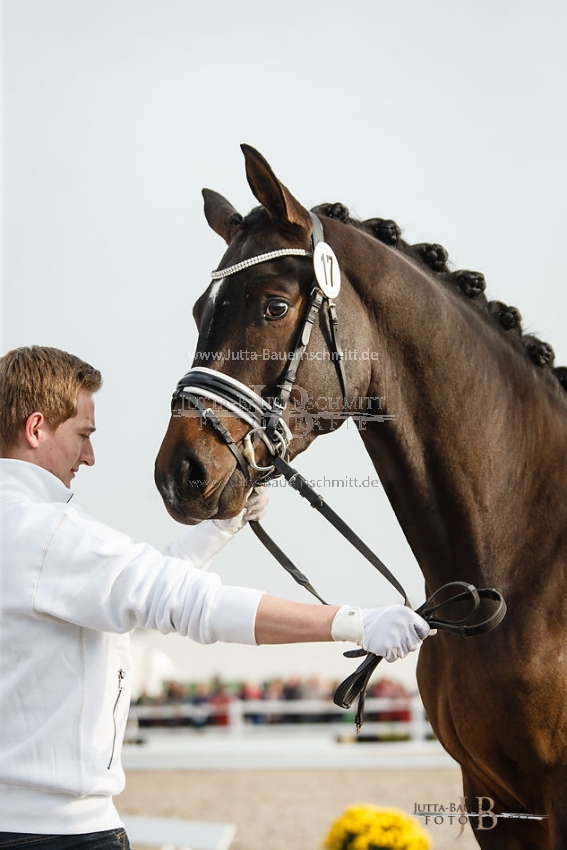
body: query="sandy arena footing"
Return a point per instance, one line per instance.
(283, 793)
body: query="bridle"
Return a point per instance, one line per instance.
(266, 421)
(267, 424)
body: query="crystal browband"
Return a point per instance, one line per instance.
(260, 258)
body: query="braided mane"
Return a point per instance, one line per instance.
(471, 284)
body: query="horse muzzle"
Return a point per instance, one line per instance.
(198, 483)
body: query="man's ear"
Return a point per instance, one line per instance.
(35, 429)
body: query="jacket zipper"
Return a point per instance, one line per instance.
(121, 676)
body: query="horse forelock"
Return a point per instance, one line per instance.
(256, 216)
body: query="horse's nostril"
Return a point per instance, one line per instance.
(189, 475)
(176, 481)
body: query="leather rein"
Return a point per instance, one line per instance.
(206, 391)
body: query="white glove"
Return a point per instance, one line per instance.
(255, 508)
(391, 632)
(256, 504)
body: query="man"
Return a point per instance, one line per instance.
(71, 591)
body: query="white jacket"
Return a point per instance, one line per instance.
(71, 590)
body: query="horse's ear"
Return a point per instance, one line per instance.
(221, 215)
(286, 213)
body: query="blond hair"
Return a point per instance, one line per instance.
(41, 379)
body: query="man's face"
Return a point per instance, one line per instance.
(64, 450)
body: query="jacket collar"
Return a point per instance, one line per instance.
(31, 481)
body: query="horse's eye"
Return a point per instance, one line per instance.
(276, 308)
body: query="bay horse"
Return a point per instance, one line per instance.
(473, 460)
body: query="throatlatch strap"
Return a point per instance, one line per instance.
(334, 322)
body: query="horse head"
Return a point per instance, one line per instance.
(250, 323)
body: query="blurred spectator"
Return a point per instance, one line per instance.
(201, 700)
(388, 689)
(212, 699)
(220, 700)
(293, 689)
(273, 690)
(252, 691)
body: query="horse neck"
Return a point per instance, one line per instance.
(474, 462)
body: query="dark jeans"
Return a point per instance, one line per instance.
(111, 839)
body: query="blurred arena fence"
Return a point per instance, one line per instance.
(386, 718)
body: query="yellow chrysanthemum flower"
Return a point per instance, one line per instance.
(372, 828)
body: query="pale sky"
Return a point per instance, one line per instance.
(448, 116)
